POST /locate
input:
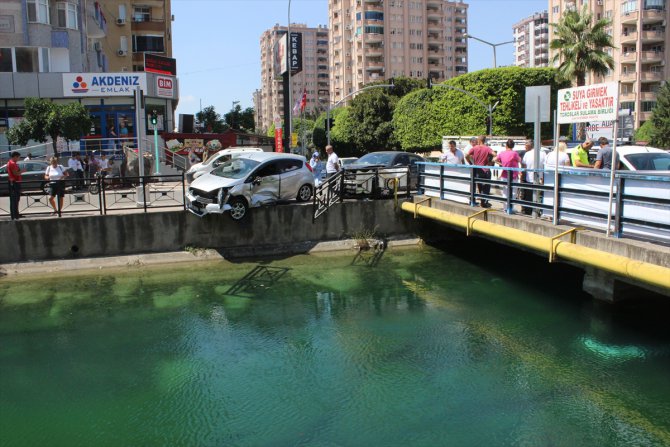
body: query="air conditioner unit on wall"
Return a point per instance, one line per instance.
(122, 53)
(120, 21)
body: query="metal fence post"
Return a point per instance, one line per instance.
(341, 180)
(101, 195)
(441, 182)
(473, 187)
(508, 200)
(183, 188)
(143, 181)
(618, 216)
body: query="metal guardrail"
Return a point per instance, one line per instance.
(327, 194)
(641, 205)
(101, 196)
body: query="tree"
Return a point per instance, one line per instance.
(211, 120)
(44, 119)
(660, 135)
(581, 47)
(239, 119)
(644, 132)
(422, 117)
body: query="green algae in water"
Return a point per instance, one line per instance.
(422, 349)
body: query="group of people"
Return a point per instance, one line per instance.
(55, 174)
(479, 154)
(332, 163)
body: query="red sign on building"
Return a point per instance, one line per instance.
(279, 142)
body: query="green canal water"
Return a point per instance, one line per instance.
(417, 347)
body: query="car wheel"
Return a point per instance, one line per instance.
(304, 193)
(238, 208)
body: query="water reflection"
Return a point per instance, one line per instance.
(320, 350)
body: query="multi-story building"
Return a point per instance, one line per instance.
(641, 53)
(68, 50)
(135, 28)
(376, 39)
(531, 41)
(313, 79)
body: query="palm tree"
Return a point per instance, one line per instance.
(581, 45)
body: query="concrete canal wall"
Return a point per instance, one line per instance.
(267, 230)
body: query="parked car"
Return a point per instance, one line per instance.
(375, 173)
(346, 161)
(643, 158)
(216, 160)
(250, 180)
(31, 180)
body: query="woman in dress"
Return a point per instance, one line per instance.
(56, 174)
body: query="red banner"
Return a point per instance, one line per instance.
(279, 142)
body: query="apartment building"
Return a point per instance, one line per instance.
(135, 28)
(67, 51)
(377, 39)
(313, 79)
(531, 41)
(641, 53)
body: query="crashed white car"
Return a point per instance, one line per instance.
(249, 181)
(216, 160)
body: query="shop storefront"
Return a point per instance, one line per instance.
(108, 96)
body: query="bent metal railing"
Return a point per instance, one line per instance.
(327, 194)
(99, 195)
(641, 206)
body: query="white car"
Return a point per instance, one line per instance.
(643, 158)
(249, 181)
(216, 160)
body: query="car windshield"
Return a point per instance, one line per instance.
(235, 169)
(375, 159)
(650, 161)
(348, 161)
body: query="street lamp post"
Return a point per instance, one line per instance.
(493, 45)
(391, 85)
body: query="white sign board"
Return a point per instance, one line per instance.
(164, 87)
(597, 129)
(103, 84)
(596, 102)
(544, 93)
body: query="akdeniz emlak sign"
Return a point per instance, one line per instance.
(596, 102)
(103, 84)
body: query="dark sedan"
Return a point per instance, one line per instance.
(386, 167)
(31, 180)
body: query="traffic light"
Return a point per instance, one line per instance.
(154, 117)
(331, 124)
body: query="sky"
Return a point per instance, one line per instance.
(217, 42)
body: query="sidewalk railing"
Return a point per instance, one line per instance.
(101, 196)
(641, 201)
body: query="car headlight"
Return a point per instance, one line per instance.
(222, 197)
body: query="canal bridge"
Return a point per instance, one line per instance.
(571, 223)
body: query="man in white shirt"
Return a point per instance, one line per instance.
(333, 163)
(453, 155)
(528, 162)
(74, 163)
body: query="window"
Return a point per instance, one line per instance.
(27, 60)
(143, 44)
(38, 11)
(6, 64)
(67, 15)
(648, 106)
(142, 14)
(373, 15)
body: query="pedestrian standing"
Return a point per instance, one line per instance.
(604, 157)
(453, 155)
(56, 174)
(77, 168)
(580, 157)
(333, 163)
(508, 159)
(528, 162)
(29, 157)
(482, 155)
(14, 172)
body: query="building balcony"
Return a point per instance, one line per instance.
(152, 25)
(433, 36)
(645, 116)
(374, 65)
(648, 96)
(628, 96)
(374, 51)
(652, 56)
(630, 76)
(374, 37)
(630, 37)
(433, 3)
(433, 13)
(653, 15)
(376, 8)
(653, 36)
(651, 76)
(629, 18)
(630, 57)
